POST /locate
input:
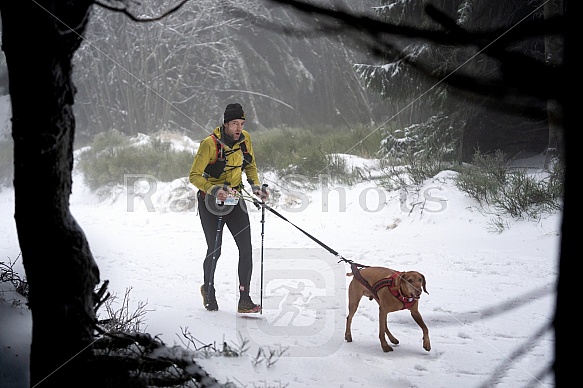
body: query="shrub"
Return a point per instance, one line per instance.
(8, 275)
(435, 138)
(483, 178)
(412, 170)
(490, 181)
(311, 152)
(112, 155)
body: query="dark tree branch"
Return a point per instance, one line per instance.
(524, 80)
(123, 9)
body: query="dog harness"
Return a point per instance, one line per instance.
(386, 282)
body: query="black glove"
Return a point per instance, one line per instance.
(260, 191)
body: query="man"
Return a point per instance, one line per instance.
(217, 172)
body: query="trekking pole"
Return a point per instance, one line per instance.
(263, 187)
(261, 204)
(210, 290)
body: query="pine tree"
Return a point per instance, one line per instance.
(425, 115)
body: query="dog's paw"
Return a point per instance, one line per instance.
(348, 337)
(386, 348)
(426, 345)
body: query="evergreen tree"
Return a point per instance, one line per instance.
(426, 115)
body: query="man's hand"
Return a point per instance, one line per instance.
(260, 192)
(222, 193)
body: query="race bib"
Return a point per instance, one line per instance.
(230, 201)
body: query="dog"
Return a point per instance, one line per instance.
(394, 291)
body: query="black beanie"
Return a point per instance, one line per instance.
(234, 112)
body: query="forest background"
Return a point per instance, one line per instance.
(178, 73)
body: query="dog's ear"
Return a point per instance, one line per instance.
(397, 283)
(424, 284)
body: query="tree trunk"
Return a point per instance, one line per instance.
(554, 58)
(39, 44)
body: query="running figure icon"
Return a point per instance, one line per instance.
(291, 301)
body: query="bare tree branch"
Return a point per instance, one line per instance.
(123, 9)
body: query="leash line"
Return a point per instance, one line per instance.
(354, 267)
(261, 204)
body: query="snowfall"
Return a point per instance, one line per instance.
(491, 282)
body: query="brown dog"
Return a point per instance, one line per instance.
(394, 291)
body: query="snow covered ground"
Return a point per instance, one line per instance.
(491, 295)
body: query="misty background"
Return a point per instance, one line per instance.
(177, 74)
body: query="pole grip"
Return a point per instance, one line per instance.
(225, 187)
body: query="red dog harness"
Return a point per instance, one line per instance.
(386, 282)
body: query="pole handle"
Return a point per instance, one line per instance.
(225, 188)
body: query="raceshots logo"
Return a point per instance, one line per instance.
(146, 192)
(304, 302)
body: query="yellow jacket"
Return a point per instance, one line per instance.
(207, 153)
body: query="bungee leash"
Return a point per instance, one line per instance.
(260, 203)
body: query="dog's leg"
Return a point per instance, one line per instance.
(383, 329)
(353, 301)
(392, 338)
(417, 317)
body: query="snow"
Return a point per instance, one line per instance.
(490, 292)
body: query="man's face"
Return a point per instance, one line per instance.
(234, 127)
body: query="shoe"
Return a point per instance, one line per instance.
(247, 306)
(209, 302)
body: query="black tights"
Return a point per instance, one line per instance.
(237, 220)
